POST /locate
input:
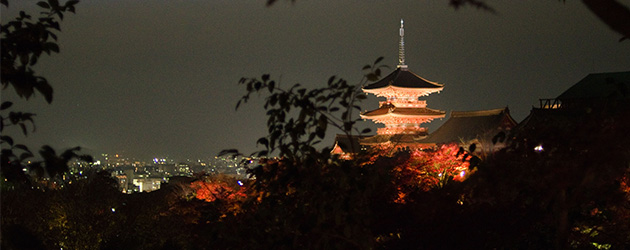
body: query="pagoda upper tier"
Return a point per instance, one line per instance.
(403, 84)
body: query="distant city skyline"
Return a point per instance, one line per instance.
(160, 79)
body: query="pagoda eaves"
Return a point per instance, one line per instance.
(403, 83)
(389, 110)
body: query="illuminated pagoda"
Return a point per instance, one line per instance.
(402, 112)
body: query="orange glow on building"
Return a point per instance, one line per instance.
(402, 112)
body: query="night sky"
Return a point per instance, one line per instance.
(159, 78)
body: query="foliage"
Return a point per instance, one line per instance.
(571, 189)
(430, 168)
(306, 197)
(215, 188)
(298, 119)
(406, 198)
(59, 218)
(573, 194)
(613, 13)
(24, 40)
(36, 214)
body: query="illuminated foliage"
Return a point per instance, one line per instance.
(624, 185)
(210, 190)
(424, 169)
(435, 168)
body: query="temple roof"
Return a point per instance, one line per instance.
(391, 109)
(600, 85)
(403, 78)
(397, 139)
(539, 119)
(469, 125)
(348, 144)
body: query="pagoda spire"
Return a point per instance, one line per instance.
(401, 46)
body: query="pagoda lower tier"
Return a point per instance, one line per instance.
(403, 120)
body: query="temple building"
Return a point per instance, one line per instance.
(402, 112)
(487, 129)
(599, 98)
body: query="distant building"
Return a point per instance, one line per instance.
(147, 184)
(486, 129)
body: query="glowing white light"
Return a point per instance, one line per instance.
(440, 175)
(113, 210)
(240, 183)
(462, 173)
(539, 148)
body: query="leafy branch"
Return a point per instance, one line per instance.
(23, 41)
(299, 118)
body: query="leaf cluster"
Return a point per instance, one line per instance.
(299, 118)
(23, 41)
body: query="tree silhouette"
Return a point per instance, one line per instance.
(24, 40)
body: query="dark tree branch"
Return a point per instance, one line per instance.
(613, 14)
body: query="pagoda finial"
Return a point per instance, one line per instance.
(401, 46)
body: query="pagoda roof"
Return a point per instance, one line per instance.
(403, 78)
(389, 109)
(600, 85)
(468, 125)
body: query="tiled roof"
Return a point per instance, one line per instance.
(385, 109)
(600, 85)
(403, 78)
(348, 143)
(398, 139)
(468, 125)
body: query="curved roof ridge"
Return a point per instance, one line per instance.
(403, 78)
(406, 111)
(487, 112)
(432, 82)
(436, 110)
(599, 85)
(610, 73)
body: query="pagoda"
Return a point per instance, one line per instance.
(402, 113)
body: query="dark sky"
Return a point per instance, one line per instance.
(159, 78)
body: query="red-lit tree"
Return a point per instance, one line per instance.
(216, 189)
(423, 169)
(226, 193)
